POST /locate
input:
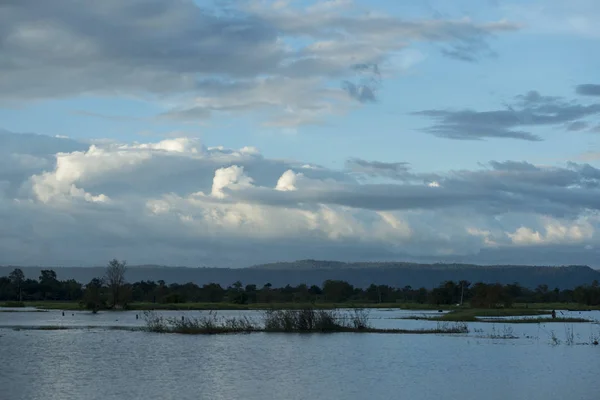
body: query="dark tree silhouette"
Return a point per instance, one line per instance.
(115, 279)
(17, 277)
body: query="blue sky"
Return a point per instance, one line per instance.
(438, 76)
(551, 63)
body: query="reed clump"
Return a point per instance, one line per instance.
(307, 320)
(210, 324)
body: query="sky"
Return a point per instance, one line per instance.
(229, 133)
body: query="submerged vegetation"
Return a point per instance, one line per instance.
(307, 320)
(209, 325)
(311, 320)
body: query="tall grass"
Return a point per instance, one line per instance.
(507, 332)
(311, 320)
(455, 327)
(209, 324)
(306, 320)
(570, 337)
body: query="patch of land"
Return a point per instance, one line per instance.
(558, 306)
(472, 314)
(536, 320)
(487, 315)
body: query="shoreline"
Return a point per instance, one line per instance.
(463, 313)
(534, 313)
(75, 306)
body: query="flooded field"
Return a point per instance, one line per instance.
(89, 360)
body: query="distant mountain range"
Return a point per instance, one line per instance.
(361, 274)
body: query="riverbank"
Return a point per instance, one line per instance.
(472, 314)
(458, 313)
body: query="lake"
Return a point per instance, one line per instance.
(100, 363)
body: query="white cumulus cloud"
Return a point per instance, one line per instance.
(180, 202)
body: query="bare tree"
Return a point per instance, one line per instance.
(115, 279)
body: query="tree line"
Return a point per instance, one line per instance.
(112, 291)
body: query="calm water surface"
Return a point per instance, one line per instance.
(98, 363)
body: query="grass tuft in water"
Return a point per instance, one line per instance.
(208, 325)
(311, 320)
(506, 332)
(285, 321)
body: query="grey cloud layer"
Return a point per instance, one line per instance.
(508, 186)
(588, 89)
(212, 55)
(395, 170)
(527, 111)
